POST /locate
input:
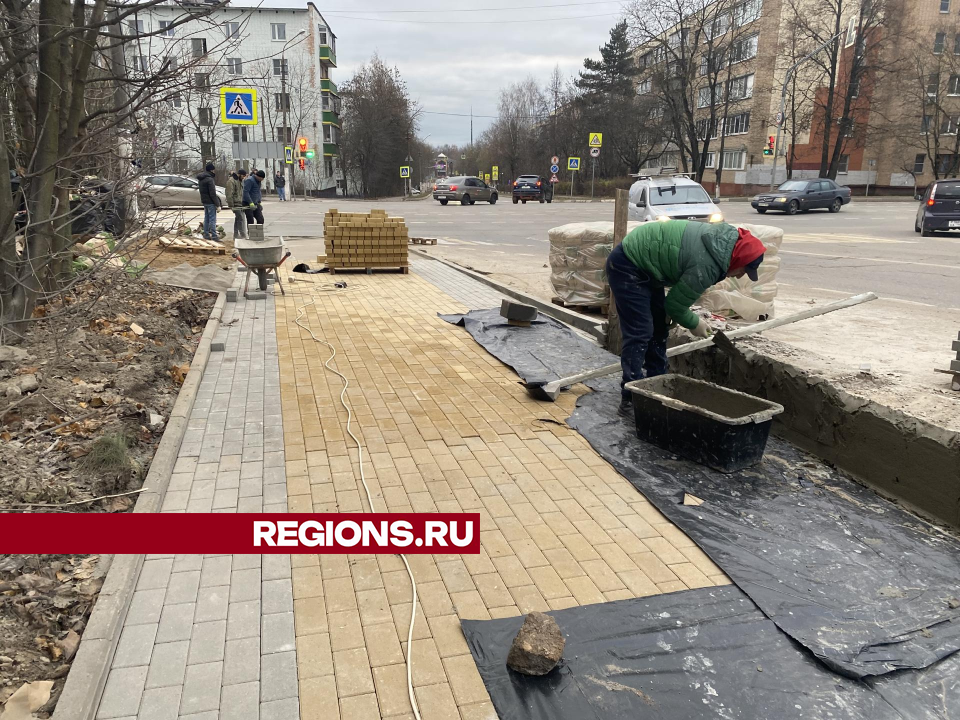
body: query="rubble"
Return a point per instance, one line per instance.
(538, 647)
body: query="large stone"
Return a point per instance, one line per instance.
(11, 354)
(538, 646)
(517, 311)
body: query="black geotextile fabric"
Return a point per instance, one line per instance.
(863, 584)
(694, 655)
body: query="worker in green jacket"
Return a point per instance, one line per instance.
(235, 201)
(687, 256)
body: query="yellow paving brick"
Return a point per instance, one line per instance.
(352, 670)
(383, 644)
(469, 605)
(465, 680)
(700, 559)
(504, 612)
(448, 636)
(455, 575)
(512, 571)
(562, 603)
(618, 595)
(311, 615)
(601, 574)
(528, 599)
(626, 541)
(638, 583)
(318, 699)
(584, 590)
(436, 702)
(478, 711)
(374, 607)
(338, 594)
(579, 548)
(675, 536)
(434, 598)
(424, 568)
(314, 658)
(614, 556)
(548, 582)
(669, 587)
(427, 666)
(345, 630)
(401, 621)
(391, 684)
(307, 582)
(653, 567)
(335, 566)
(366, 574)
(664, 550)
(690, 575)
(493, 590)
(359, 706)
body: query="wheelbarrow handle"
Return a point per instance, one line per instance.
(284, 259)
(236, 256)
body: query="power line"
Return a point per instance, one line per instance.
(465, 10)
(476, 22)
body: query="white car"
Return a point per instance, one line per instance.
(671, 196)
(176, 191)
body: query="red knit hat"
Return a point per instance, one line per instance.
(747, 253)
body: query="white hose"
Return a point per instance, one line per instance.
(366, 488)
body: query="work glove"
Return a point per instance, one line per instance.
(253, 206)
(702, 329)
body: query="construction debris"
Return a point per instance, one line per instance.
(365, 240)
(192, 244)
(29, 698)
(205, 277)
(538, 646)
(693, 500)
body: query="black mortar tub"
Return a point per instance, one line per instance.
(709, 424)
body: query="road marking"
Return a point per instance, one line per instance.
(839, 237)
(878, 260)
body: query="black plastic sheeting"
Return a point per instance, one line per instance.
(861, 583)
(692, 655)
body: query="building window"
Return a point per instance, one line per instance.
(702, 126)
(281, 101)
(322, 33)
(948, 126)
(925, 124)
(177, 132)
(711, 161)
(644, 87)
(325, 102)
(734, 159)
(918, 163)
(143, 63)
(645, 61)
(231, 29)
(137, 27)
(947, 163)
(744, 49)
(741, 88)
(956, 45)
(199, 46)
(201, 81)
(167, 27)
(851, 35)
(944, 6)
(933, 84)
(709, 95)
(851, 126)
(953, 87)
(324, 72)
(278, 31)
(280, 67)
(283, 134)
(240, 134)
(327, 134)
(737, 124)
(843, 164)
(747, 12)
(234, 66)
(938, 41)
(208, 150)
(205, 117)
(172, 62)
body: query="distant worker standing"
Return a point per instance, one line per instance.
(280, 183)
(252, 198)
(208, 198)
(235, 201)
(687, 256)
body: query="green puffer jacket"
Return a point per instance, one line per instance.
(234, 193)
(687, 256)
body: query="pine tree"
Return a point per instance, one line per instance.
(614, 71)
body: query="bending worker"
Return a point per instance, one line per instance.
(687, 256)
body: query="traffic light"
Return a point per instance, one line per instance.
(309, 154)
(303, 164)
(771, 145)
(302, 144)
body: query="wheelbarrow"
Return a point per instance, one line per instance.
(261, 257)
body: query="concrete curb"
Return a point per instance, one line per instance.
(88, 674)
(585, 323)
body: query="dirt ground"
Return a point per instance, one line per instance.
(83, 403)
(901, 342)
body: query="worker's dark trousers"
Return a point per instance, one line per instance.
(643, 319)
(254, 216)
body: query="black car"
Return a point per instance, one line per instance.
(532, 187)
(803, 195)
(939, 208)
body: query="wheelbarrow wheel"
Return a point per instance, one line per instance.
(262, 276)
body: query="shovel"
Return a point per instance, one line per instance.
(550, 390)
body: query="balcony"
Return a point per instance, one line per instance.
(328, 55)
(331, 149)
(327, 85)
(331, 118)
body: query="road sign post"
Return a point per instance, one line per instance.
(573, 164)
(238, 106)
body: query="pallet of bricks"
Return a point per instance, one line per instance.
(365, 241)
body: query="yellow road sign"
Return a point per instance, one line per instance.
(496, 172)
(486, 177)
(596, 139)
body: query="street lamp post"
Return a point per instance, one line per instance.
(284, 107)
(420, 159)
(783, 103)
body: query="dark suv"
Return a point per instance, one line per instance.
(532, 187)
(939, 208)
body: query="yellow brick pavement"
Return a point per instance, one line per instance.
(448, 429)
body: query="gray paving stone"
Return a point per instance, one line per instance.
(228, 479)
(246, 562)
(145, 607)
(207, 642)
(207, 471)
(183, 587)
(160, 704)
(215, 570)
(280, 709)
(274, 476)
(277, 596)
(180, 482)
(211, 715)
(276, 567)
(242, 702)
(175, 501)
(203, 488)
(225, 499)
(278, 676)
(168, 664)
(185, 465)
(273, 459)
(252, 453)
(212, 603)
(200, 505)
(253, 504)
(123, 691)
(182, 563)
(277, 633)
(230, 462)
(274, 494)
(189, 449)
(232, 449)
(135, 646)
(245, 585)
(250, 487)
(243, 619)
(201, 689)
(280, 507)
(176, 622)
(251, 469)
(154, 574)
(241, 661)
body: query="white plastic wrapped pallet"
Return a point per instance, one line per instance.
(742, 297)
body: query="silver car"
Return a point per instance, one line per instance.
(176, 191)
(464, 189)
(670, 196)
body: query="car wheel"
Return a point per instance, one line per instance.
(465, 200)
(524, 202)
(494, 198)
(793, 207)
(516, 200)
(761, 210)
(443, 202)
(916, 226)
(835, 205)
(925, 232)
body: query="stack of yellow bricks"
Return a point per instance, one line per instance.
(365, 240)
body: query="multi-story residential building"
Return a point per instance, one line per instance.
(285, 54)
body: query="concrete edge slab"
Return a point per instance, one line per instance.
(585, 323)
(88, 674)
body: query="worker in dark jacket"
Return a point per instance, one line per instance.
(252, 198)
(280, 183)
(235, 201)
(688, 257)
(208, 198)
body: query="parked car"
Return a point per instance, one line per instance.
(176, 191)
(532, 187)
(939, 208)
(664, 195)
(803, 195)
(464, 189)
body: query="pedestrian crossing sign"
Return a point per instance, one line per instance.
(288, 154)
(238, 106)
(404, 171)
(573, 163)
(596, 139)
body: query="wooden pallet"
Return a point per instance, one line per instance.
(191, 245)
(403, 269)
(423, 241)
(587, 309)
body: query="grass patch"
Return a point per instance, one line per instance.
(110, 453)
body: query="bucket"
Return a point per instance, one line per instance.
(724, 429)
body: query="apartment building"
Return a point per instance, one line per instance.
(285, 54)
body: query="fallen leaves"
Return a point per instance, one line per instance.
(179, 372)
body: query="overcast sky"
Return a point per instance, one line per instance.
(454, 58)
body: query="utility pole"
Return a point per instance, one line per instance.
(284, 107)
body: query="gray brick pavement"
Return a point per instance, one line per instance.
(210, 637)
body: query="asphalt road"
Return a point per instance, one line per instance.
(869, 245)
